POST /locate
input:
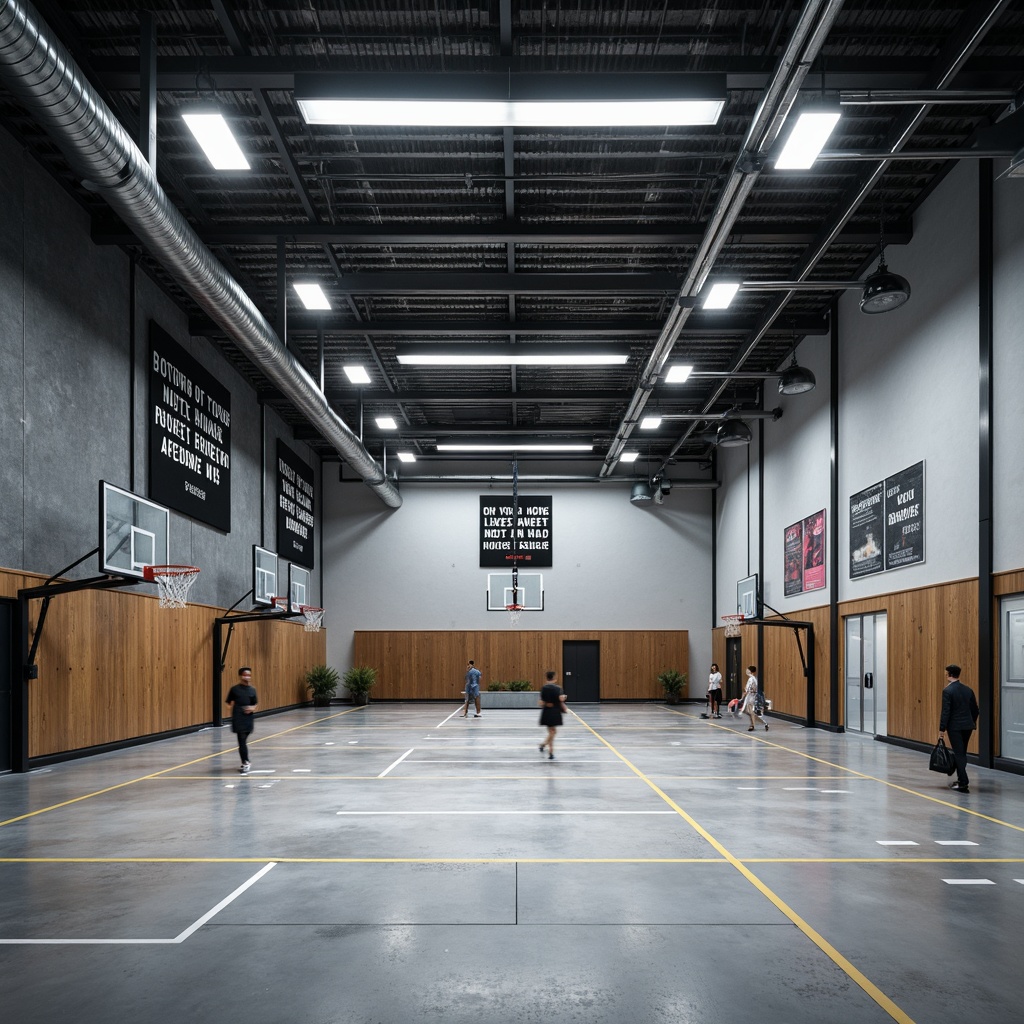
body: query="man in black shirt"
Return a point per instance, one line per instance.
(552, 702)
(959, 717)
(243, 700)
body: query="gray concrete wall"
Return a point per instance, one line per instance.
(67, 342)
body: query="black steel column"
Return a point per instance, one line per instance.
(834, 666)
(759, 606)
(986, 599)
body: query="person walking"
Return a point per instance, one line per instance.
(243, 701)
(552, 703)
(750, 699)
(958, 720)
(715, 692)
(472, 690)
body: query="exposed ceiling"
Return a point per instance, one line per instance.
(532, 236)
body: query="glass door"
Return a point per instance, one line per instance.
(865, 674)
(1011, 683)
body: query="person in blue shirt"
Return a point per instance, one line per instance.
(472, 690)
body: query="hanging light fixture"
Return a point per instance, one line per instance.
(794, 379)
(883, 290)
(733, 433)
(643, 493)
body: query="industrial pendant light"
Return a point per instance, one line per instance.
(733, 433)
(795, 379)
(883, 290)
(642, 494)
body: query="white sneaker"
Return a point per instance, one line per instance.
(245, 769)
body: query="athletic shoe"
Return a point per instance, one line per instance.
(478, 716)
(245, 769)
(541, 748)
(551, 757)
(765, 726)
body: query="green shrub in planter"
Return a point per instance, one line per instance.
(358, 681)
(673, 683)
(322, 683)
(495, 687)
(520, 685)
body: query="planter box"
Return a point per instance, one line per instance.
(509, 699)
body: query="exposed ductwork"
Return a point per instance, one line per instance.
(42, 75)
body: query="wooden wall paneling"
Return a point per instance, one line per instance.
(783, 675)
(431, 665)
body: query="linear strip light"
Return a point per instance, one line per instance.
(807, 139)
(312, 296)
(214, 136)
(514, 446)
(516, 100)
(517, 355)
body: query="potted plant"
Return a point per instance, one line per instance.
(673, 683)
(358, 681)
(322, 683)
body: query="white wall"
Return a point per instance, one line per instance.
(738, 522)
(1008, 380)
(908, 386)
(616, 566)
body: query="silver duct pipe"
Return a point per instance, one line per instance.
(42, 75)
(812, 28)
(681, 485)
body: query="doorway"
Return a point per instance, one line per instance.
(7, 676)
(866, 658)
(733, 669)
(581, 672)
(1011, 681)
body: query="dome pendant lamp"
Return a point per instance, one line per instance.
(883, 290)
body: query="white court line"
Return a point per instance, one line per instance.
(300, 770)
(835, 791)
(968, 881)
(800, 789)
(449, 718)
(751, 787)
(896, 842)
(395, 764)
(954, 842)
(488, 813)
(190, 930)
(1021, 880)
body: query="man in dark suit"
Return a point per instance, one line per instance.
(959, 717)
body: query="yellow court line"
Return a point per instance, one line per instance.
(873, 778)
(154, 775)
(868, 986)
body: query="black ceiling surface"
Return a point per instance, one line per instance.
(429, 235)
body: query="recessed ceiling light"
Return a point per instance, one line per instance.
(212, 133)
(514, 446)
(387, 423)
(678, 373)
(406, 457)
(629, 456)
(511, 355)
(720, 295)
(650, 423)
(312, 296)
(357, 374)
(807, 139)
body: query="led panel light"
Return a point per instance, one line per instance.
(516, 100)
(387, 423)
(806, 140)
(678, 373)
(720, 295)
(312, 296)
(514, 446)
(510, 355)
(214, 136)
(406, 457)
(650, 423)
(357, 374)
(629, 456)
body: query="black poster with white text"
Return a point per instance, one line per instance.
(904, 517)
(295, 510)
(524, 540)
(189, 434)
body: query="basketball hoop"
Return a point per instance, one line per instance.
(732, 624)
(173, 582)
(280, 604)
(514, 611)
(314, 618)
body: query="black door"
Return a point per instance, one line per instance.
(581, 674)
(733, 670)
(6, 682)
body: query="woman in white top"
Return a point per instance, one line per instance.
(750, 699)
(715, 692)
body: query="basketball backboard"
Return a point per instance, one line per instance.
(530, 591)
(298, 586)
(133, 532)
(747, 599)
(264, 575)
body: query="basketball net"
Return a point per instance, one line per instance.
(173, 582)
(314, 618)
(732, 625)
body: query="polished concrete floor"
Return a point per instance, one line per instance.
(393, 864)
